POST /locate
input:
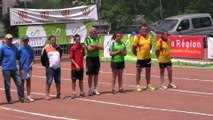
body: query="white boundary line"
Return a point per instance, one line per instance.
(173, 90)
(156, 76)
(111, 103)
(36, 114)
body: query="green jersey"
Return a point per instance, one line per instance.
(89, 41)
(115, 46)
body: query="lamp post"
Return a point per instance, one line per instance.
(161, 14)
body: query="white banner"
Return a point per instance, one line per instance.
(107, 42)
(19, 16)
(210, 47)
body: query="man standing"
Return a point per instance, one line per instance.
(92, 47)
(8, 56)
(141, 46)
(26, 58)
(77, 67)
(50, 59)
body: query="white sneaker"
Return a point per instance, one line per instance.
(95, 92)
(30, 98)
(90, 93)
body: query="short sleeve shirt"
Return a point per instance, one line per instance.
(89, 41)
(143, 46)
(8, 56)
(77, 53)
(164, 48)
(25, 55)
(115, 46)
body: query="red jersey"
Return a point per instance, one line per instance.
(77, 53)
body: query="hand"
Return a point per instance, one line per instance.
(78, 68)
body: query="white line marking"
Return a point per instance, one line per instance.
(133, 106)
(156, 76)
(36, 114)
(133, 86)
(147, 108)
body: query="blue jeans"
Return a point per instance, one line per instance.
(53, 73)
(7, 74)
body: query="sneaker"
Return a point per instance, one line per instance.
(82, 94)
(95, 92)
(24, 101)
(150, 88)
(138, 89)
(47, 97)
(171, 85)
(114, 91)
(10, 102)
(59, 95)
(121, 90)
(90, 93)
(30, 98)
(73, 96)
(163, 86)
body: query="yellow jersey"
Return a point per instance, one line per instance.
(143, 45)
(164, 48)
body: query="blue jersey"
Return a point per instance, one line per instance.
(25, 56)
(8, 57)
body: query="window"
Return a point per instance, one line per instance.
(168, 24)
(201, 22)
(184, 25)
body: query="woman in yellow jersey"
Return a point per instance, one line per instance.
(117, 51)
(164, 59)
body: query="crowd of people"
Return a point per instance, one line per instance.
(51, 58)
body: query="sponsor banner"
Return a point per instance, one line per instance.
(107, 42)
(210, 47)
(19, 16)
(64, 32)
(186, 46)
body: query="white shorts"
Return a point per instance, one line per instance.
(26, 74)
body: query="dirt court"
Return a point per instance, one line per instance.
(193, 100)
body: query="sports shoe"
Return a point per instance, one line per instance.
(171, 85)
(73, 96)
(82, 94)
(30, 98)
(10, 102)
(95, 92)
(24, 101)
(90, 93)
(163, 86)
(47, 97)
(59, 95)
(121, 90)
(114, 91)
(138, 89)
(150, 88)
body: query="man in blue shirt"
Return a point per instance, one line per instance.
(26, 58)
(8, 55)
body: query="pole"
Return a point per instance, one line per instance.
(161, 14)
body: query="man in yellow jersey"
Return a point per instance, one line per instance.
(141, 46)
(164, 59)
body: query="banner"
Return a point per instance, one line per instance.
(187, 46)
(64, 33)
(210, 47)
(19, 16)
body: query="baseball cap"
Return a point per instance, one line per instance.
(25, 38)
(8, 36)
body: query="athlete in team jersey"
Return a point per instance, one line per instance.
(141, 46)
(164, 59)
(117, 51)
(92, 47)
